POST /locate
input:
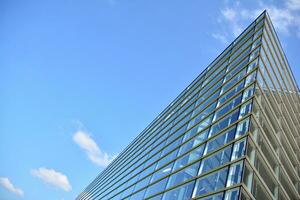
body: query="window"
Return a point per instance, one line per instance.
(155, 188)
(192, 156)
(245, 109)
(234, 80)
(235, 174)
(232, 194)
(230, 93)
(162, 172)
(142, 183)
(201, 115)
(183, 192)
(193, 142)
(211, 182)
(242, 127)
(250, 78)
(220, 140)
(183, 175)
(218, 196)
(238, 149)
(227, 107)
(248, 93)
(138, 196)
(166, 159)
(215, 160)
(219, 126)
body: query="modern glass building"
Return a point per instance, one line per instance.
(233, 133)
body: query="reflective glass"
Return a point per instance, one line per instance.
(162, 172)
(219, 126)
(227, 107)
(238, 149)
(193, 142)
(155, 188)
(232, 194)
(215, 160)
(220, 140)
(218, 196)
(235, 174)
(211, 182)
(192, 156)
(245, 109)
(184, 192)
(138, 196)
(183, 175)
(230, 93)
(242, 128)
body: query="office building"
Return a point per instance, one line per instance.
(233, 133)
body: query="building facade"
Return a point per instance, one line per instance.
(233, 133)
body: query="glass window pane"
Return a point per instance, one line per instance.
(155, 188)
(245, 109)
(220, 140)
(227, 107)
(183, 175)
(162, 172)
(138, 196)
(193, 142)
(183, 192)
(219, 126)
(194, 155)
(211, 182)
(218, 196)
(235, 174)
(232, 194)
(248, 93)
(215, 160)
(242, 127)
(238, 149)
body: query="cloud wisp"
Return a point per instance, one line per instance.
(92, 150)
(286, 18)
(7, 184)
(52, 177)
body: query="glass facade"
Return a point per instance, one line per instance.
(233, 133)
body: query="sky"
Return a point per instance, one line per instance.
(81, 79)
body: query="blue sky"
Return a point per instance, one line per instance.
(80, 79)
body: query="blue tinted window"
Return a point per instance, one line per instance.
(193, 142)
(167, 158)
(242, 127)
(235, 174)
(238, 149)
(227, 107)
(230, 93)
(138, 196)
(219, 126)
(183, 192)
(183, 175)
(155, 188)
(162, 172)
(216, 160)
(211, 182)
(218, 196)
(142, 183)
(220, 140)
(232, 194)
(192, 156)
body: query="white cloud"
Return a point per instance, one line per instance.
(286, 18)
(293, 4)
(5, 182)
(52, 177)
(94, 153)
(220, 37)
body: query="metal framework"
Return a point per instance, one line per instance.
(233, 133)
